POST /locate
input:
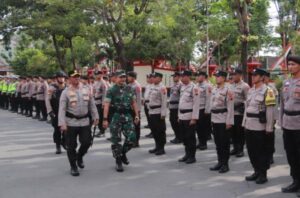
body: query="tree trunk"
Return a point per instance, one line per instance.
(244, 59)
(72, 53)
(59, 55)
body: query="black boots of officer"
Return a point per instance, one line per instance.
(158, 150)
(58, 149)
(189, 157)
(293, 187)
(258, 177)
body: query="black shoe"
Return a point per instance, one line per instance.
(124, 159)
(108, 139)
(216, 167)
(252, 177)
(149, 135)
(190, 160)
(233, 152)
(184, 158)
(58, 149)
(202, 147)
(240, 154)
(272, 160)
(43, 119)
(119, 166)
(153, 150)
(261, 179)
(35, 117)
(175, 141)
(293, 187)
(298, 194)
(80, 163)
(136, 145)
(74, 171)
(160, 152)
(99, 134)
(224, 169)
(146, 127)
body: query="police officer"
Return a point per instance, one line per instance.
(289, 120)
(150, 79)
(28, 97)
(100, 89)
(157, 114)
(204, 122)
(75, 106)
(222, 118)
(173, 106)
(240, 90)
(122, 97)
(52, 103)
(258, 122)
(41, 95)
(188, 114)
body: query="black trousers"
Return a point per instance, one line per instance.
(175, 124)
(238, 133)
(100, 112)
(5, 100)
(85, 137)
(58, 137)
(222, 141)
(158, 128)
(188, 135)
(257, 150)
(146, 112)
(203, 127)
(291, 140)
(270, 143)
(137, 127)
(18, 102)
(42, 108)
(29, 106)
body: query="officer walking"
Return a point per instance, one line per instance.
(222, 118)
(188, 115)
(240, 90)
(122, 97)
(173, 106)
(289, 120)
(157, 114)
(258, 122)
(75, 107)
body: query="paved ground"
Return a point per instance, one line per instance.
(30, 169)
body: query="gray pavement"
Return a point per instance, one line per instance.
(30, 169)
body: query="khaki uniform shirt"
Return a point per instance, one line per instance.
(99, 90)
(158, 100)
(175, 95)
(240, 91)
(205, 90)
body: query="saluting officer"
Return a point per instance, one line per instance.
(188, 115)
(289, 120)
(204, 122)
(173, 106)
(157, 112)
(258, 122)
(75, 107)
(240, 90)
(222, 118)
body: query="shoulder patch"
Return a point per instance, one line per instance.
(270, 98)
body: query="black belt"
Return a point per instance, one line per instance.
(216, 111)
(174, 102)
(71, 115)
(252, 115)
(40, 93)
(146, 101)
(155, 107)
(186, 110)
(291, 113)
(99, 98)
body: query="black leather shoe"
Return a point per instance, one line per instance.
(293, 187)
(216, 167)
(58, 149)
(183, 159)
(271, 160)
(224, 169)
(80, 163)
(240, 154)
(261, 179)
(119, 166)
(233, 152)
(190, 160)
(124, 159)
(43, 119)
(149, 135)
(74, 171)
(252, 177)
(99, 134)
(153, 150)
(146, 127)
(160, 152)
(202, 147)
(175, 141)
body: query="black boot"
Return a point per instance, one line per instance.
(119, 166)
(58, 149)
(216, 167)
(252, 177)
(74, 171)
(233, 152)
(262, 178)
(191, 157)
(124, 158)
(80, 162)
(202, 147)
(175, 141)
(160, 151)
(150, 135)
(153, 151)
(293, 187)
(224, 168)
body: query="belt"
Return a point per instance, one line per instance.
(71, 115)
(186, 110)
(291, 113)
(216, 111)
(252, 115)
(99, 98)
(40, 93)
(155, 107)
(146, 101)
(174, 102)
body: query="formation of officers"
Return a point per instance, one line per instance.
(230, 110)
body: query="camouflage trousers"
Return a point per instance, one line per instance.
(122, 124)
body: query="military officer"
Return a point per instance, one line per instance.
(258, 122)
(222, 118)
(173, 106)
(188, 114)
(204, 122)
(240, 90)
(122, 97)
(289, 120)
(157, 114)
(75, 107)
